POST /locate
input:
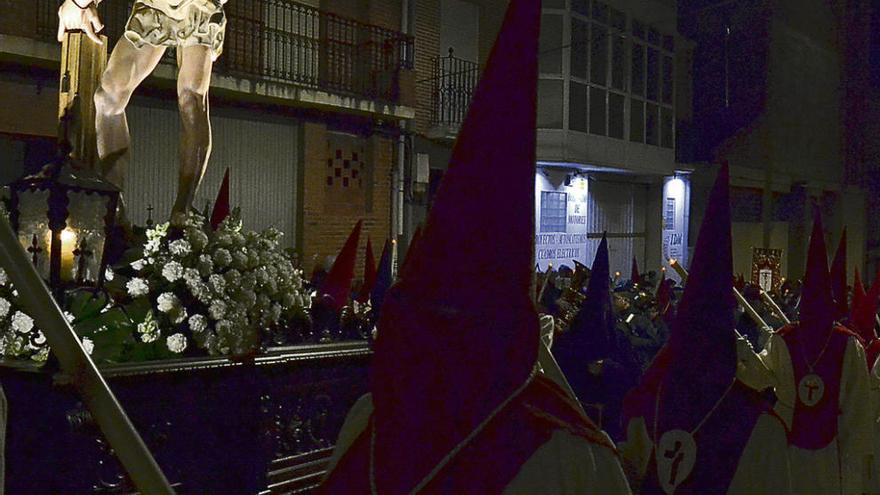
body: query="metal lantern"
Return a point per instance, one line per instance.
(63, 216)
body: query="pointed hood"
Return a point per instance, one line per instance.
(410, 251)
(337, 283)
(698, 363)
(383, 279)
(221, 205)
(590, 336)
(817, 306)
(864, 309)
(838, 278)
(369, 273)
(634, 276)
(459, 333)
(664, 295)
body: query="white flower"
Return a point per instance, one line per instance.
(4, 279)
(139, 264)
(222, 257)
(166, 302)
(88, 345)
(172, 271)
(217, 310)
(5, 306)
(217, 282)
(151, 246)
(191, 277)
(40, 338)
(69, 316)
(198, 323)
(22, 323)
(137, 287)
(176, 343)
(109, 275)
(180, 247)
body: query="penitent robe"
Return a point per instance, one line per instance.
(566, 464)
(837, 464)
(761, 468)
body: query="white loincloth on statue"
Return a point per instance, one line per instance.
(763, 466)
(842, 466)
(178, 23)
(564, 465)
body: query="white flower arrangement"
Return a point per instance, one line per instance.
(222, 289)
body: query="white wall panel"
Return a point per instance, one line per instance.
(261, 155)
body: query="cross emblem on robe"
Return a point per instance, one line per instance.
(676, 455)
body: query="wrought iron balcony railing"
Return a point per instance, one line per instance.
(285, 42)
(453, 83)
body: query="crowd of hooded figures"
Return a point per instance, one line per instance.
(484, 380)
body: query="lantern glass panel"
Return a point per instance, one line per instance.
(33, 227)
(83, 244)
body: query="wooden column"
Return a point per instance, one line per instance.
(82, 63)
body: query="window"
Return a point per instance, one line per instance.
(549, 104)
(618, 62)
(577, 106)
(653, 74)
(550, 45)
(638, 29)
(652, 127)
(615, 115)
(600, 12)
(637, 121)
(554, 209)
(668, 70)
(580, 48)
(637, 86)
(597, 111)
(581, 7)
(666, 132)
(599, 55)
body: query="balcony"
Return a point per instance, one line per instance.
(453, 83)
(282, 46)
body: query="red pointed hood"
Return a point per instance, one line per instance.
(864, 310)
(634, 275)
(369, 273)
(337, 283)
(221, 204)
(838, 278)
(698, 363)
(459, 334)
(664, 295)
(816, 306)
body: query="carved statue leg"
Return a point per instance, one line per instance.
(193, 81)
(127, 68)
